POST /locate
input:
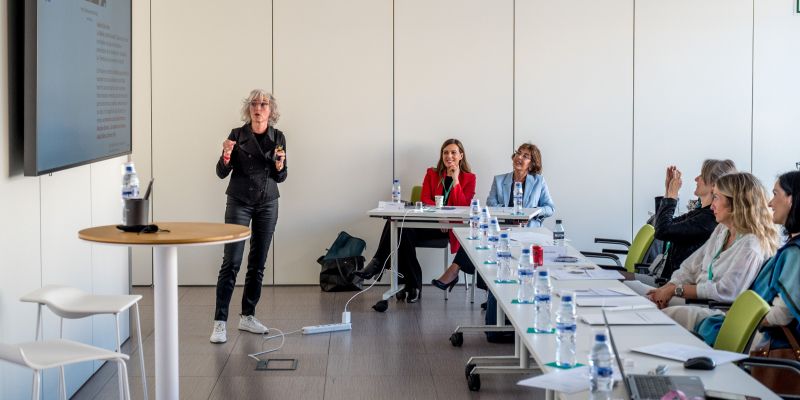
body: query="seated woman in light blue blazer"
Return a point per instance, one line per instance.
(527, 163)
(527, 168)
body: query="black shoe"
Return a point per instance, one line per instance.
(414, 295)
(445, 286)
(371, 269)
(484, 305)
(381, 306)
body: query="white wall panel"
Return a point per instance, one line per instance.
(333, 81)
(66, 260)
(692, 91)
(453, 79)
(573, 100)
(142, 257)
(109, 264)
(207, 56)
(776, 89)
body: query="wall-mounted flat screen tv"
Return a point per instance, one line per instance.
(77, 90)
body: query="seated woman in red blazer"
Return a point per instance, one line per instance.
(453, 179)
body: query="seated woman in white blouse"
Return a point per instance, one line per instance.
(727, 263)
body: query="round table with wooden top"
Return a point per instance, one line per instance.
(165, 245)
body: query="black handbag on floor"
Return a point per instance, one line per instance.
(338, 264)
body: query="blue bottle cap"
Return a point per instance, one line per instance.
(600, 337)
(526, 251)
(566, 298)
(542, 273)
(504, 235)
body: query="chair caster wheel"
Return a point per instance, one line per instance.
(457, 339)
(400, 296)
(468, 370)
(474, 382)
(381, 306)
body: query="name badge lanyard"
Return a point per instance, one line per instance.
(446, 191)
(716, 256)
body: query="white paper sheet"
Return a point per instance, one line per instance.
(564, 381)
(682, 352)
(530, 238)
(571, 274)
(614, 301)
(632, 317)
(601, 292)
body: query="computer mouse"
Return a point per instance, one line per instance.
(704, 363)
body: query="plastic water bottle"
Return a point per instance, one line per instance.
(518, 197)
(396, 192)
(558, 234)
(504, 272)
(493, 236)
(483, 229)
(600, 361)
(541, 301)
(525, 293)
(565, 331)
(474, 218)
(130, 182)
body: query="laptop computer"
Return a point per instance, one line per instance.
(653, 387)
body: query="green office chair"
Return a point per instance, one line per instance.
(741, 322)
(636, 251)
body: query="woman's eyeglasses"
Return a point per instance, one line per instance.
(257, 104)
(523, 155)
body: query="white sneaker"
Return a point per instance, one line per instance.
(220, 332)
(251, 324)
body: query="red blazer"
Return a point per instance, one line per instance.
(460, 195)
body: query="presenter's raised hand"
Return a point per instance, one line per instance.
(227, 149)
(280, 157)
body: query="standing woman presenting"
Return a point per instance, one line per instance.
(255, 157)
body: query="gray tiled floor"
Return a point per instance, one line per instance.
(401, 354)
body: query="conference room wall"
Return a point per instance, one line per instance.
(453, 79)
(573, 81)
(333, 78)
(692, 92)
(776, 89)
(40, 244)
(205, 62)
(142, 257)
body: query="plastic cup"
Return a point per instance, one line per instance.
(439, 201)
(418, 206)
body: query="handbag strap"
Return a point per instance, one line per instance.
(792, 342)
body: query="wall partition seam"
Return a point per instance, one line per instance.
(633, 112)
(513, 75)
(152, 163)
(752, 83)
(394, 84)
(272, 90)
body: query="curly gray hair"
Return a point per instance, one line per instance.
(261, 94)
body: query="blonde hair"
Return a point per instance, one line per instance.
(749, 210)
(261, 94)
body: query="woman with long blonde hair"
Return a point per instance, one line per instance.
(728, 262)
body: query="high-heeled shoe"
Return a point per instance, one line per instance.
(371, 269)
(413, 295)
(445, 286)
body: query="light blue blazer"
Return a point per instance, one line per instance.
(536, 195)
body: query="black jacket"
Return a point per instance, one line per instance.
(254, 177)
(686, 233)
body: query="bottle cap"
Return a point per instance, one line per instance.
(600, 336)
(526, 250)
(504, 235)
(558, 221)
(566, 298)
(543, 272)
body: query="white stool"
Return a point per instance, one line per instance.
(71, 303)
(42, 355)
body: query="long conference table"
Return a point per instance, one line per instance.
(542, 347)
(438, 218)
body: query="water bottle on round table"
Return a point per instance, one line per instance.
(525, 293)
(130, 182)
(474, 219)
(566, 329)
(396, 192)
(602, 369)
(541, 301)
(518, 193)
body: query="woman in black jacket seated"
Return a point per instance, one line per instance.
(686, 233)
